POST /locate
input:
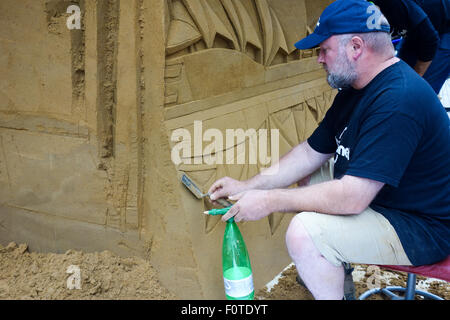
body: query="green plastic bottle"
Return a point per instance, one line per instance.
(237, 272)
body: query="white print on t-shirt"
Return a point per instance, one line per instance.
(341, 150)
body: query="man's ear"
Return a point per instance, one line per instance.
(357, 46)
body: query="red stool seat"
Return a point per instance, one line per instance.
(439, 270)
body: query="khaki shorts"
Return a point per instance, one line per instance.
(366, 238)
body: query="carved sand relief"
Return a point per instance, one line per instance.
(69, 137)
(232, 65)
(294, 121)
(86, 117)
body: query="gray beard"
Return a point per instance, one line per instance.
(341, 81)
(345, 75)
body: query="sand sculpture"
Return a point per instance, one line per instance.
(87, 115)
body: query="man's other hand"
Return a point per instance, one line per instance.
(251, 205)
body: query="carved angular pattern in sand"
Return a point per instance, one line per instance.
(200, 21)
(295, 124)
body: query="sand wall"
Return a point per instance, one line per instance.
(87, 116)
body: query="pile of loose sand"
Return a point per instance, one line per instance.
(103, 275)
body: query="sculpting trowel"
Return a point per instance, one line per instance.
(189, 183)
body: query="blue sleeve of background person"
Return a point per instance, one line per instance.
(401, 14)
(446, 6)
(422, 38)
(386, 143)
(414, 13)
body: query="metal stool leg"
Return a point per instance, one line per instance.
(410, 287)
(410, 291)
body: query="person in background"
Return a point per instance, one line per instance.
(424, 26)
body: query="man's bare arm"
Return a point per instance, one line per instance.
(349, 195)
(297, 164)
(346, 196)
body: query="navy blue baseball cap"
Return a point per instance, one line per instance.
(344, 16)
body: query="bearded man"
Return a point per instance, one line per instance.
(386, 142)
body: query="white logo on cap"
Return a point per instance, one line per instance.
(318, 23)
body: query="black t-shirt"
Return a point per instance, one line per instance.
(421, 22)
(396, 131)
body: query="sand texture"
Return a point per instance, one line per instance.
(103, 275)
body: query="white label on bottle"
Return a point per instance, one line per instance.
(239, 288)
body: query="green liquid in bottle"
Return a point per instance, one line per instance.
(237, 272)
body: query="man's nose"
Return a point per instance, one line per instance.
(320, 58)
